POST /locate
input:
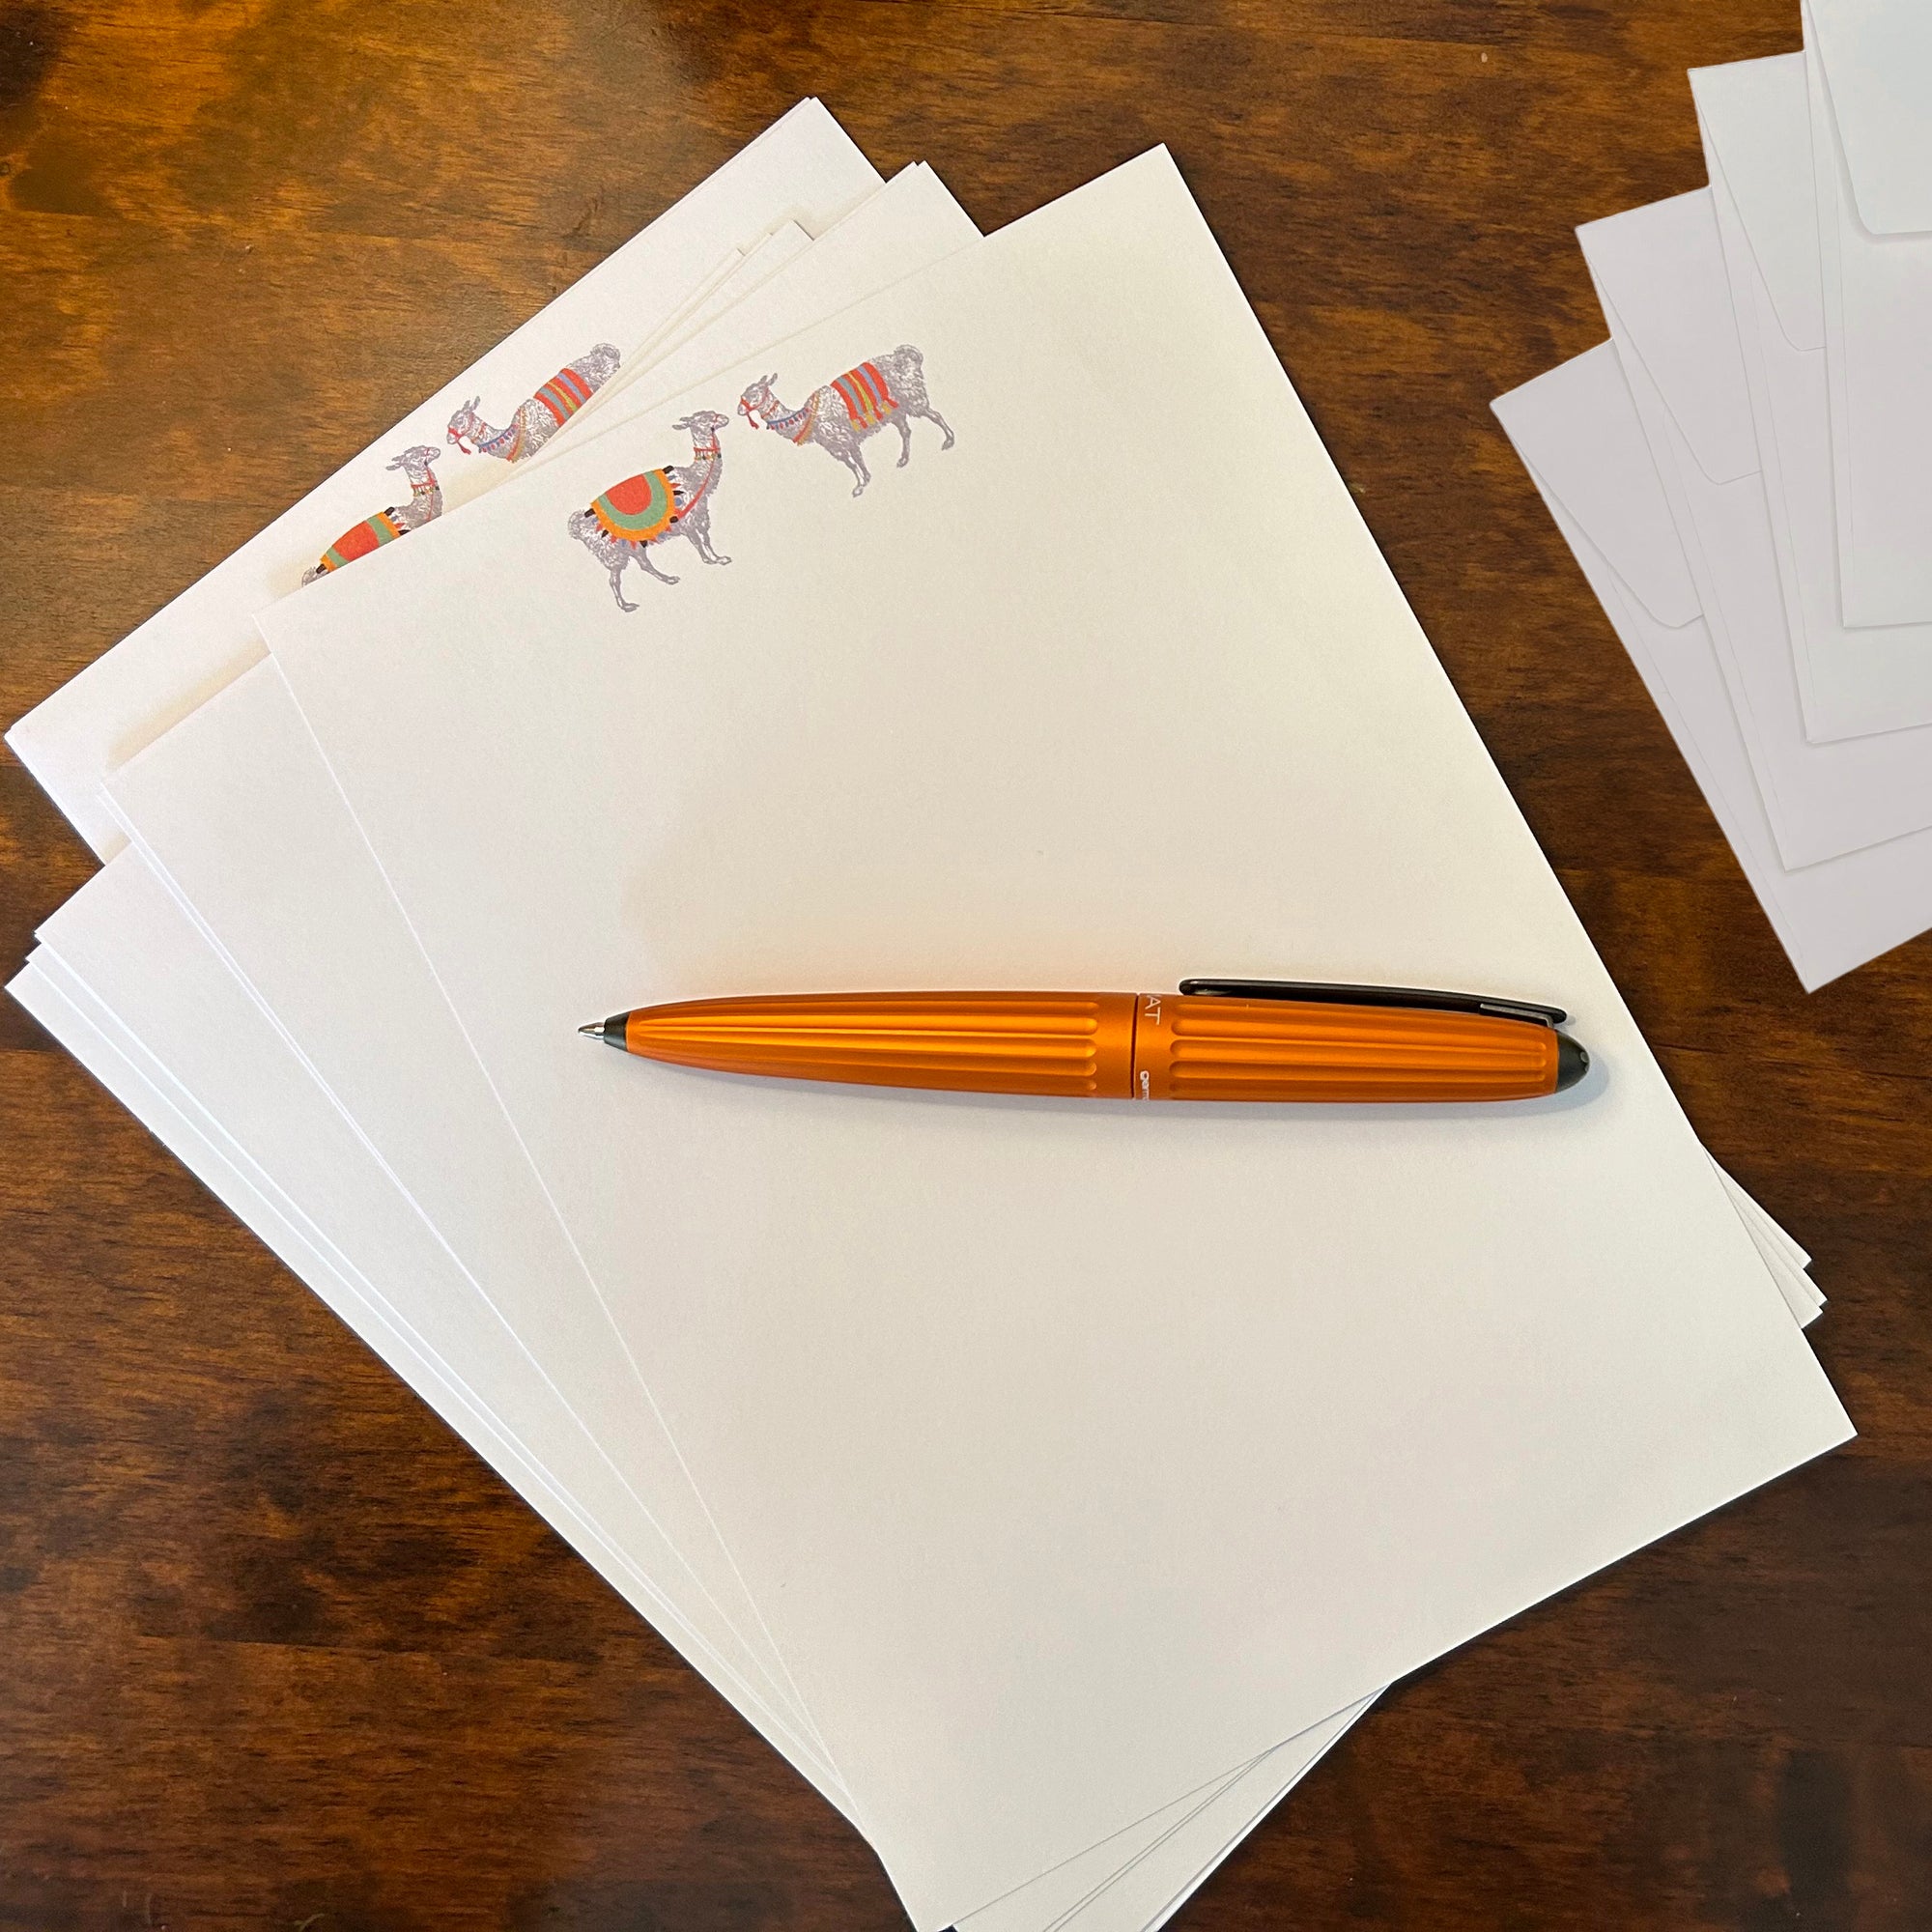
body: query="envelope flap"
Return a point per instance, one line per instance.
(1577, 428)
(1756, 118)
(1662, 266)
(1878, 67)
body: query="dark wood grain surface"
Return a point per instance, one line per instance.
(274, 1649)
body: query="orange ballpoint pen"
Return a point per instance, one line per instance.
(1215, 1039)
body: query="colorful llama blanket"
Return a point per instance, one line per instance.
(864, 390)
(370, 534)
(637, 509)
(563, 395)
(868, 399)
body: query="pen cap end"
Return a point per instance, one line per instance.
(1572, 1061)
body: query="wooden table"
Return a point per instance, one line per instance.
(274, 1649)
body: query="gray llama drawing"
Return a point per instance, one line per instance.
(840, 416)
(538, 418)
(632, 516)
(397, 521)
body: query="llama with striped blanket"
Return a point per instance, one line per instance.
(538, 418)
(397, 521)
(840, 415)
(632, 516)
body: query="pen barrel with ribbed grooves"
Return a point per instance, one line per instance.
(1201, 1047)
(1079, 1046)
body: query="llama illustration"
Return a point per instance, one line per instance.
(840, 416)
(541, 416)
(634, 515)
(397, 521)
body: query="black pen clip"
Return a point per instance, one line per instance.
(1377, 996)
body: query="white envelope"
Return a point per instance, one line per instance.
(1756, 122)
(1877, 57)
(1577, 433)
(1871, 107)
(1659, 273)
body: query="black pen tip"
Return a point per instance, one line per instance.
(1572, 1061)
(611, 1032)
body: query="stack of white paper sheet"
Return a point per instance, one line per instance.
(1742, 472)
(1052, 1486)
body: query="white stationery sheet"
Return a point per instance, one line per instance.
(917, 1348)
(1755, 119)
(804, 168)
(752, 269)
(1577, 433)
(1659, 273)
(1875, 101)
(1150, 1886)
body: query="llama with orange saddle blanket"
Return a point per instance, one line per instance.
(425, 505)
(840, 415)
(629, 519)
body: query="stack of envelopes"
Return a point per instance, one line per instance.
(1050, 1483)
(1745, 471)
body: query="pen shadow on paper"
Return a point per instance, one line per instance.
(1341, 1112)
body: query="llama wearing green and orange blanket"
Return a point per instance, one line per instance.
(425, 505)
(624, 524)
(840, 416)
(540, 417)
